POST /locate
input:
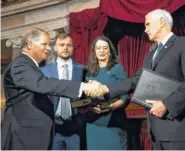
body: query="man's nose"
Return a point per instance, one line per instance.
(65, 47)
(48, 48)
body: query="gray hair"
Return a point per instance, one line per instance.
(34, 34)
(164, 14)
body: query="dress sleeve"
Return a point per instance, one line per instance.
(121, 75)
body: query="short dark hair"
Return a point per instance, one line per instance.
(93, 65)
(63, 36)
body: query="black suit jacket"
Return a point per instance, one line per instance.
(28, 118)
(171, 63)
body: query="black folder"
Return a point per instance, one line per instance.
(153, 86)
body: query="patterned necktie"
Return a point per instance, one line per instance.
(159, 47)
(66, 110)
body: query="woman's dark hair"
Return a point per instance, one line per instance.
(93, 65)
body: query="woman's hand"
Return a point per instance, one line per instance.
(97, 109)
(116, 105)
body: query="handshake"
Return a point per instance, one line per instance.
(95, 89)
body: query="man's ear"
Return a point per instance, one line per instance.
(162, 22)
(29, 44)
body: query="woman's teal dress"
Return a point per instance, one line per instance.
(109, 131)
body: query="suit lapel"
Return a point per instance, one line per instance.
(76, 73)
(31, 62)
(54, 71)
(150, 60)
(164, 50)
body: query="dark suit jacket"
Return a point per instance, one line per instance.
(171, 63)
(27, 122)
(51, 71)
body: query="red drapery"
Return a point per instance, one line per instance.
(135, 10)
(85, 26)
(132, 52)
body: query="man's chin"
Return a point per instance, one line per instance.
(45, 57)
(151, 38)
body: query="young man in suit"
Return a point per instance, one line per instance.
(168, 60)
(28, 117)
(64, 49)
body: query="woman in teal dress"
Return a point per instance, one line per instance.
(108, 131)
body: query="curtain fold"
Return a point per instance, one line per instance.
(132, 52)
(135, 10)
(84, 27)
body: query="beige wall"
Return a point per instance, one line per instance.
(48, 17)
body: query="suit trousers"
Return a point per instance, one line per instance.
(63, 142)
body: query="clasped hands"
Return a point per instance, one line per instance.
(95, 89)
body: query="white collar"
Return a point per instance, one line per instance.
(31, 59)
(166, 38)
(61, 62)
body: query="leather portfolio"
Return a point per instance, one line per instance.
(153, 86)
(104, 104)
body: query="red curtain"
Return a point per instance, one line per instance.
(135, 10)
(132, 52)
(85, 26)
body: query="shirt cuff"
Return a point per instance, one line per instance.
(81, 90)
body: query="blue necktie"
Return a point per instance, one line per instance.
(66, 110)
(159, 47)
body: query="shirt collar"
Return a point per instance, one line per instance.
(166, 38)
(61, 62)
(31, 59)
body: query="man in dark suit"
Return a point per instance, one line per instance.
(64, 50)
(28, 118)
(168, 60)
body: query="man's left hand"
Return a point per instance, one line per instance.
(158, 109)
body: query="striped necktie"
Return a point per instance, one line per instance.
(159, 47)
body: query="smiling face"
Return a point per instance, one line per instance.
(64, 47)
(102, 51)
(39, 49)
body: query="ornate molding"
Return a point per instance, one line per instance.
(53, 34)
(48, 25)
(48, 18)
(28, 6)
(14, 42)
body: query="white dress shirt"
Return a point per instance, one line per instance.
(60, 63)
(166, 38)
(163, 42)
